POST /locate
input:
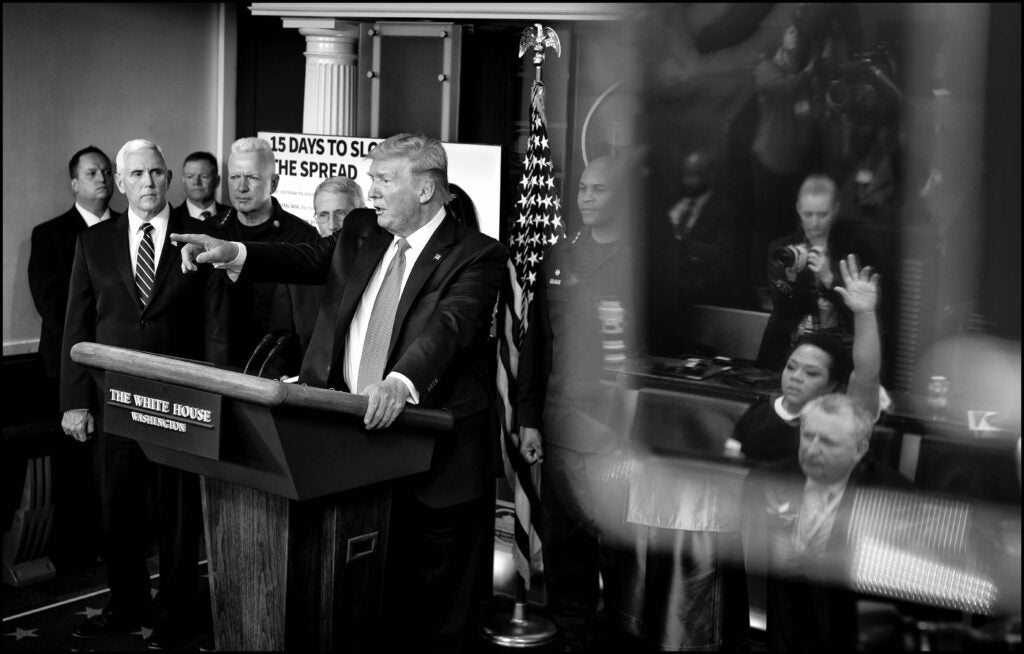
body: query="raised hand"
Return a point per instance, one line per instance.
(201, 248)
(860, 286)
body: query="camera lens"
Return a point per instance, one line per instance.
(784, 256)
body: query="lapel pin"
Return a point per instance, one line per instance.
(437, 257)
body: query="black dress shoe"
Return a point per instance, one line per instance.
(108, 623)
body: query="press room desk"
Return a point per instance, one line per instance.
(946, 456)
(938, 455)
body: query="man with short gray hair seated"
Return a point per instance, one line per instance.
(806, 510)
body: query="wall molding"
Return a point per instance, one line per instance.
(528, 11)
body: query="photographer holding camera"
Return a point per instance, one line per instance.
(803, 270)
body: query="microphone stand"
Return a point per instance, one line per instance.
(260, 347)
(281, 340)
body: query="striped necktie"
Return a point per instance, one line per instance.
(382, 321)
(144, 268)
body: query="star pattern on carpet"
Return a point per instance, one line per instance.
(20, 633)
(90, 612)
(145, 632)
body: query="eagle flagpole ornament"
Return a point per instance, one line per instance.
(539, 39)
(537, 224)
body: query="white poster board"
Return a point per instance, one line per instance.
(304, 160)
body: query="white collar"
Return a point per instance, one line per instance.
(91, 218)
(418, 239)
(833, 491)
(781, 411)
(135, 221)
(212, 208)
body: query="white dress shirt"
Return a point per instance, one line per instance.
(159, 233)
(361, 319)
(687, 206)
(818, 510)
(195, 210)
(357, 328)
(91, 218)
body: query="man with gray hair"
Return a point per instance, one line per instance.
(128, 291)
(808, 513)
(405, 320)
(256, 216)
(334, 199)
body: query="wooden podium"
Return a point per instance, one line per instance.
(296, 493)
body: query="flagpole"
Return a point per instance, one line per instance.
(519, 629)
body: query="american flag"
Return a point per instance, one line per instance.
(538, 225)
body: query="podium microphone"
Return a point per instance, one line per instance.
(281, 340)
(261, 347)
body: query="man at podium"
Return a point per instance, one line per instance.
(405, 320)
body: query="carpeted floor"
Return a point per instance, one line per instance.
(40, 617)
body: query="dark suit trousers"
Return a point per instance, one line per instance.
(125, 477)
(581, 505)
(805, 617)
(438, 578)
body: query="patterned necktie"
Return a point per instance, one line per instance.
(144, 268)
(204, 215)
(817, 508)
(382, 321)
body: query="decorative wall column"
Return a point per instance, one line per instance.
(329, 100)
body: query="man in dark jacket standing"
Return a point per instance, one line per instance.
(580, 323)
(255, 217)
(127, 290)
(53, 247)
(77, 518)
(405, 319)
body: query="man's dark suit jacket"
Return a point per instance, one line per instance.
(439, 341)
(49, 271)
(185, 317)
(709, 262)
(816, 612)
(181, 211)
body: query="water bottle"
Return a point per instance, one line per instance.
(938, 396)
